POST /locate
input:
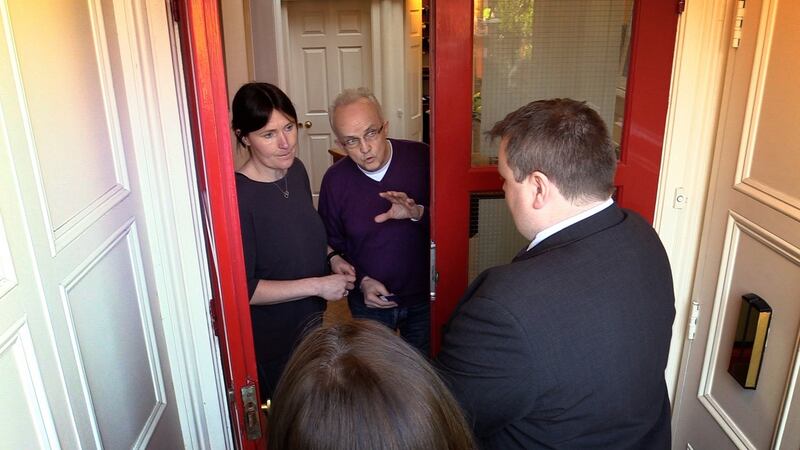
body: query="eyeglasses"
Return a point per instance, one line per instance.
(353, 143)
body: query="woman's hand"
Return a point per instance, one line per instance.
(342, 267)
(334, 287)
(373, 290)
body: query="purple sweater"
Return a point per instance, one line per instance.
(395, 252)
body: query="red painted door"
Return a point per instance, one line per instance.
(490, 57)
(201, 50)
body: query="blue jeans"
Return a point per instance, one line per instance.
(414, 322)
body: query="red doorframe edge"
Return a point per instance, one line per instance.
(646, 104)
(204, 71)
(451, 34)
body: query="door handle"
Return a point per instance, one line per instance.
(308, 124)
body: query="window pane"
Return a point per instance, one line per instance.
(493, 238)
(527, 50)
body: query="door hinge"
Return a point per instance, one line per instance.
(173, 6)
(738, 23)
(693, 320)
(433, 274)
(681, 6)
(212, 307)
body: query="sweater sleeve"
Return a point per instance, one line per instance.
(486, 359)
(426, 183)
(329, 211)
(426, 200)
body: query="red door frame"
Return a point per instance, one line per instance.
(451, 79)
(204, 71)
(646, 103)
(453, 176)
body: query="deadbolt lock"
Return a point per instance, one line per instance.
(252, 419)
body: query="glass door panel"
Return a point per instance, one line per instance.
(525, 50)
(493, 238)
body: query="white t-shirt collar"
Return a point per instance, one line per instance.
(380, 173)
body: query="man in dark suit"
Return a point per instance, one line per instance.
(566, 346)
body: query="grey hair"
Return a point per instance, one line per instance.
(350, 96)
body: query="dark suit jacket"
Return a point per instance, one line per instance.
(566, 346)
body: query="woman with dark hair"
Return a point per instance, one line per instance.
(283, 238)
(357, 386)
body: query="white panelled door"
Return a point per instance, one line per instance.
(413, 70)
(750, 244)
(329, 50)
(83, 361)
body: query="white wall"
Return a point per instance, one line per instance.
(266, 41)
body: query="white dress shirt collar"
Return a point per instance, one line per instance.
(553, 229)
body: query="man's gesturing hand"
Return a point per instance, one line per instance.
(403, 207)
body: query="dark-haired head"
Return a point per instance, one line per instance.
(359, 386)
(253, 105)
(566, 140)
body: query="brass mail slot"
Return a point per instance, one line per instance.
(750, 340)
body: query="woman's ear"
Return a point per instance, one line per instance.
(243, 139)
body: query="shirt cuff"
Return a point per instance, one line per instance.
(422, 213)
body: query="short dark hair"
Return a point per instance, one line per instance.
(253, 105)
(564, 139)
(357, 385)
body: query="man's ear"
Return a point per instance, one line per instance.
(540, 187)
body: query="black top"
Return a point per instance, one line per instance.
(282, 239)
